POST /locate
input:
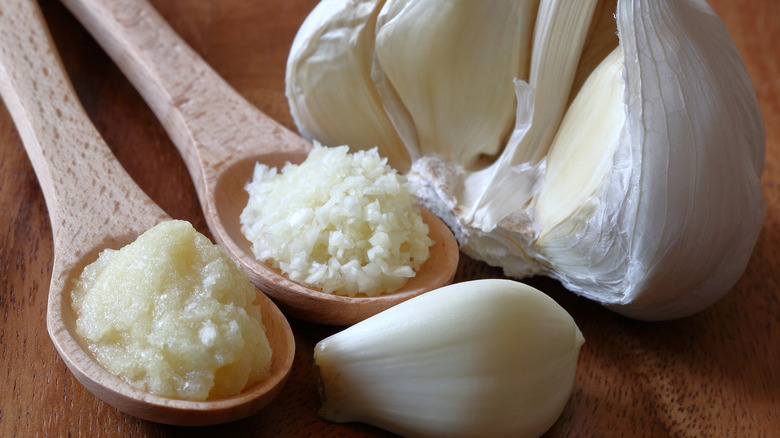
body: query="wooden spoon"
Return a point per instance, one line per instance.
(220, 135)
(93, 204)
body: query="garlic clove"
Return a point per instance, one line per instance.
(328, 82)
(577, 201)
(492, 194)
(438, 81)
(480, 358)
(559, 38)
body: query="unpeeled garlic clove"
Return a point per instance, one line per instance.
(479, 358)
(331, 60)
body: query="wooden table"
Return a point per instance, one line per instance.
(713, 374)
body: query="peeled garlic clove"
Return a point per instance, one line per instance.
(575, 202)
(480, 358)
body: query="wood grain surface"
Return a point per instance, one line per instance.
(716, 373)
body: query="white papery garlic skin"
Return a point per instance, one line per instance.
(488, 358)
(638, 188)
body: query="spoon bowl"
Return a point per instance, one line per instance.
(93, 205)
(220, 136)
(303, 302)
(131, 400)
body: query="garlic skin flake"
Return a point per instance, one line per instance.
(635, 183)
(485, 358)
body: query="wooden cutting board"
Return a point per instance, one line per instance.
(713, 374)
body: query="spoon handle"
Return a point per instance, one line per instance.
(88, 194)
(211, 124)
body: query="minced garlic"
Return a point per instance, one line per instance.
(172, 314)
(341, 222)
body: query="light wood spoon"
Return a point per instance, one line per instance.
(220, 136)
(93, 204)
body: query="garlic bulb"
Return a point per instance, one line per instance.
(628, 167)
(483, 358)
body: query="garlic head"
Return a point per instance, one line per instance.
(481, 358)
(628, 167)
